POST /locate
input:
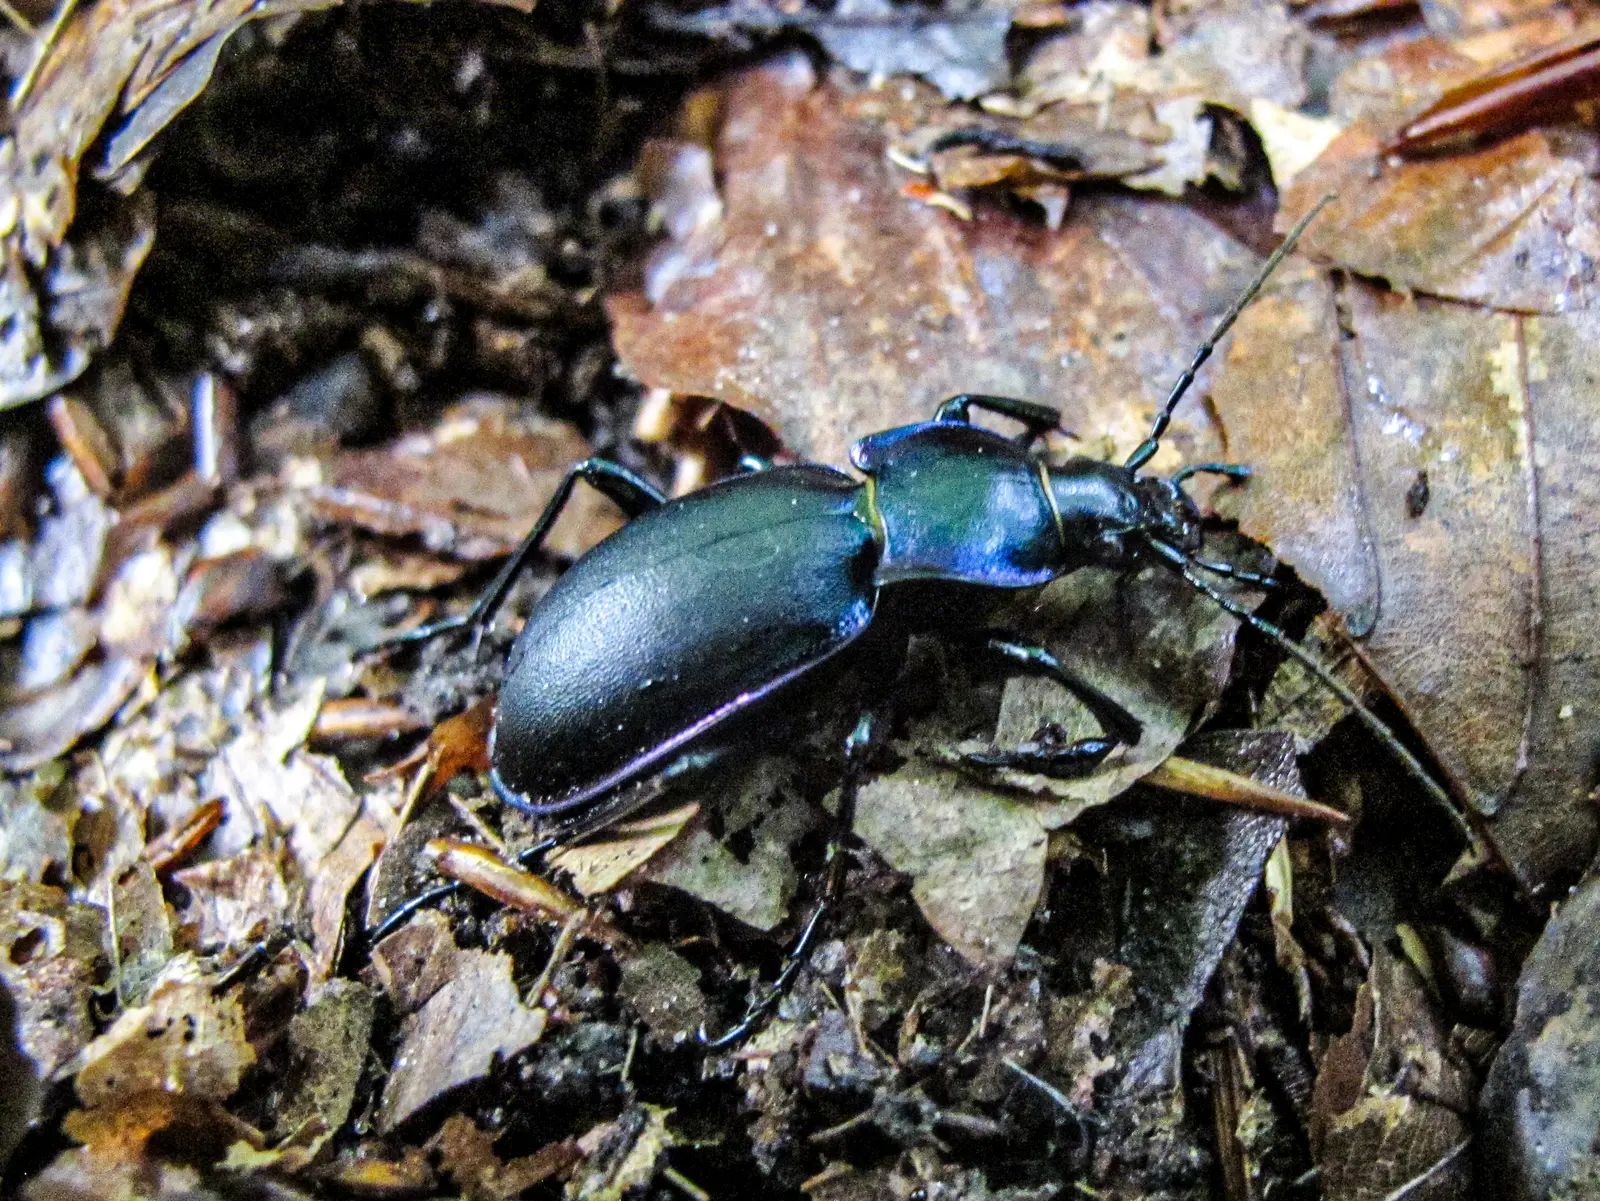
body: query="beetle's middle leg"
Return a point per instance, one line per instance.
(1037, 419)
(857, 750)
(632, 494)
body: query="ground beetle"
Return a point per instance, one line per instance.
(642, 658)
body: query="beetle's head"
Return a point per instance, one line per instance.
(1110, 515)
(1166, 513)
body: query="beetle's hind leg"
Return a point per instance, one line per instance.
(632, 494)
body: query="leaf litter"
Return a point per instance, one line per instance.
(283, 439)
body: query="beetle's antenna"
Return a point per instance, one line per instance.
(1146, 450)
(1326, 678)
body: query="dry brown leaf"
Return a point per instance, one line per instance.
(1511, 225)
(471, 487)
(185, 1039)
(415, 961)
(475, 1020)
(1427, 467)
(1181, 63)
(236, 900)
(270, 783)
(336, 874)
(144, 57)
(601, 863)
(834, 307)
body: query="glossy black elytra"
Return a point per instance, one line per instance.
(708, 608)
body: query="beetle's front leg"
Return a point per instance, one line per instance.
(1047, 753)
(1037, 419)
(1120, 725)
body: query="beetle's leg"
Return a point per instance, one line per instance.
(1037, 419)
(1121, 725)
(857, 749)
(1237, 472)
(1228, 571)
(402, 912)
(1048, 753)
(632, 495)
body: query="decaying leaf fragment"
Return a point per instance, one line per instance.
(184, 1039)
(1150, 643)
(1389, 1118)
(64, 286)
(467, 1154)
(763, 813)
(976, 858)
(50, 951)
(621, 1155)
(271, 783)
(475, 1019)
(1540, 1125)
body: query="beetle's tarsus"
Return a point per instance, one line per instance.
(406, 908)
(1237, 472)
(425, 633)
(768, 1001)
(1114, 719)
(1047, 756)
(1238, 574)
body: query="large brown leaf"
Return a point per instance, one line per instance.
(1425, 465)
(830, 305)
(1512, 225)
